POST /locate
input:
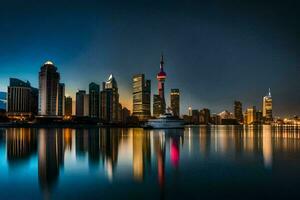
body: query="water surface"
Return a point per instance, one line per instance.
(111, 163)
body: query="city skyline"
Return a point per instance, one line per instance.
(149, 99)
(212, 53)
(130, 106)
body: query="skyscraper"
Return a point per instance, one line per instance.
(68, 106)
(204, 116)
(94, 99)
(82, 102)
(61, 99)
(109, 101)
(22, 99)
(251, 115)
(161, 77)
(238, 111)
(259, 117)
(190, 111)
(195, 116)
(267, 107)
(141, 97)
(157, 105)
(48, 86)
(175, 102)
(86, 106)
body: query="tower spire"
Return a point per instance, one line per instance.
(162, 61)
(269, 92)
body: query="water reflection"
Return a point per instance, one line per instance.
(148, 153)
(21, 144)
(50, 157)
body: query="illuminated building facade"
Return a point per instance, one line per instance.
(48, 89)
(94, 100)
(238, 111)
(190, 111)
(267, 108)
(109, 101)
(141, 97)
(22, 99)
(226, 115)
(68, 106)
(157, 105)
(175, 102)
(251, 115)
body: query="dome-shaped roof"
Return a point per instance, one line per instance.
(48, 63)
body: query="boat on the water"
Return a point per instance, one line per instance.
(166, 121)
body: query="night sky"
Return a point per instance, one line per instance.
(215, 51)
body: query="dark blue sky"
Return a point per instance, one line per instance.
(215, 51)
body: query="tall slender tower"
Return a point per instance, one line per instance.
(49, 88)
(161, 77)
(94, 100)
(109, 101)
(267, 107)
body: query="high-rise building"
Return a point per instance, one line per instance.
(94, 98)
(238, 111)
(68, 106)
(175, 102)
(86, 106)
(21, 99)
(161, 77)
(109, 101)
(204, 116)
(82, 103)
(61, 99)
(195, 116)
(141, 97)
(48, 89)
(259, 117)
(157, 105)
(251, 115)
(216, 119)
(267, 107)
(190, 111)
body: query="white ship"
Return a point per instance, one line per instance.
(165, 121)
